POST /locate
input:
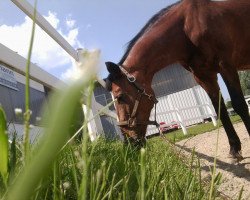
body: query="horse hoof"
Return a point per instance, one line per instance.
(236, 157)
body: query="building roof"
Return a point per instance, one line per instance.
(18, 64)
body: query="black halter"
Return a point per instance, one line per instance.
(132, 121)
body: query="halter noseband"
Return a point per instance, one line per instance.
(132, 121)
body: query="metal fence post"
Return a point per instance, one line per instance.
(211, 114)
(183, 127)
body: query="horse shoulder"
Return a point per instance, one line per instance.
(195, 19)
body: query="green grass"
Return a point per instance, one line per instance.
(178, 135)
(119, 172)
(115, 172)
(3, 148)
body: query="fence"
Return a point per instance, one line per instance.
(177, 116)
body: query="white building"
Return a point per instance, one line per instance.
(180, 98)
(12, 89)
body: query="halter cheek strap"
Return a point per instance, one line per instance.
(132, 121)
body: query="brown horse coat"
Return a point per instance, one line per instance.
(207, 38)
(220, 30)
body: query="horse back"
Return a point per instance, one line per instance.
(219, 28)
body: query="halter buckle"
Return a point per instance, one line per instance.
(132, 122)
(131, 78)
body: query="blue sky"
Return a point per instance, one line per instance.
(93, 24)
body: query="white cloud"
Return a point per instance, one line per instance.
(46, 52)
(52, 19)
(70, 23)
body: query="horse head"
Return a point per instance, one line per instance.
(134, 101)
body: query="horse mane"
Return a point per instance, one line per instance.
(131, 43)
(151, 22)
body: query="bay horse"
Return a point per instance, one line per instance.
(207, 38)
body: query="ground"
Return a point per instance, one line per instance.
(234, 176)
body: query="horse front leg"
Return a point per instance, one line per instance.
(210, 85)
(232, 81)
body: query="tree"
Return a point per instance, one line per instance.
(245, 81)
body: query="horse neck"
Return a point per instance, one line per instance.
(163, 44)
(147, 58)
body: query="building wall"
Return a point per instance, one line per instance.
(12, 90)
(172, 79)
(180, 97)
(110, 129)
(190, 106)
(12, 98)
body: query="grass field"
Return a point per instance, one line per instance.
(197, 129)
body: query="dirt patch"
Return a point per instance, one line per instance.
(234, 176)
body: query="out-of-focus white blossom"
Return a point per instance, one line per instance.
(18, 111)
(38, 119)
(31, 126)
(66, 185)
(87, 65)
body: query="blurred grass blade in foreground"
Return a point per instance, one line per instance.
(59, 121)
(3, 147)
(27, 113)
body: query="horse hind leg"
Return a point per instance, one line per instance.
(232, 82)
(210, 85)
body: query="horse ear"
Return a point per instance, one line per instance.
(112, 68)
